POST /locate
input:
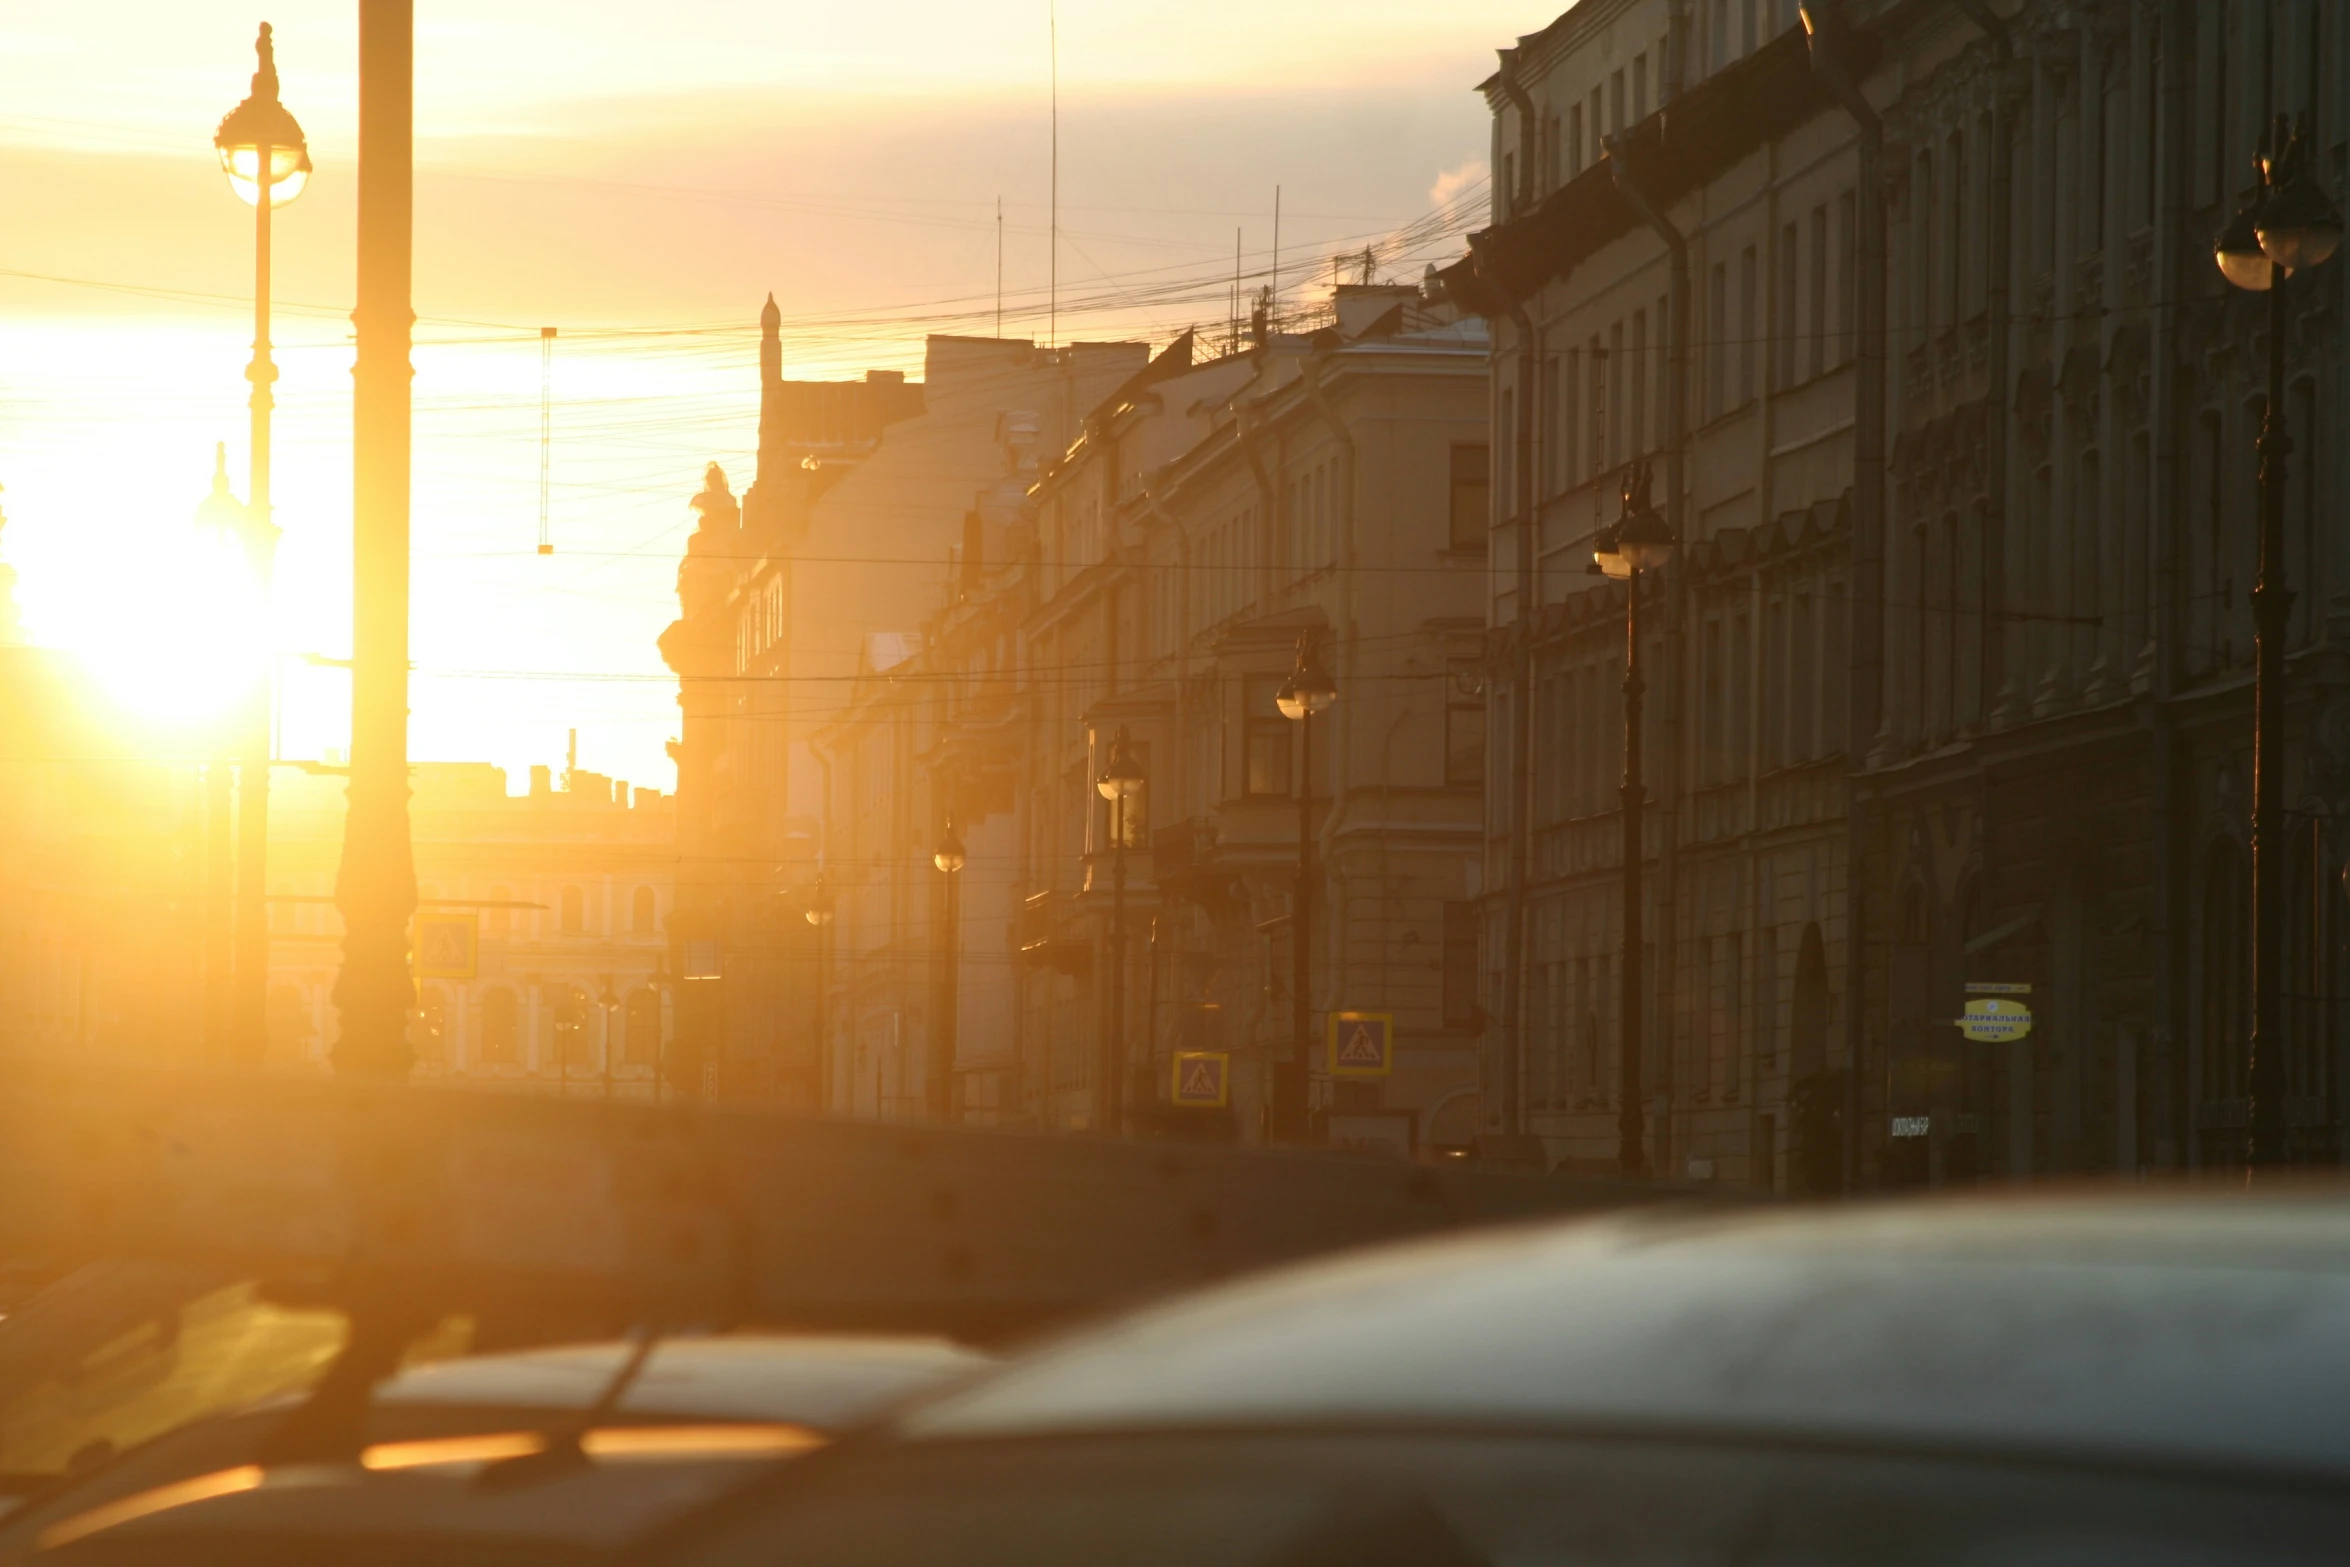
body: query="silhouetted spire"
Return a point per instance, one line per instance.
(773, 460)
(221, 509)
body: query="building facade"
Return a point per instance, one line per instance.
(1949, 683)
(573, 893)
(1154, 581)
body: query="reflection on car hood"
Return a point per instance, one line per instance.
(817, 1381)
(2186, 1326)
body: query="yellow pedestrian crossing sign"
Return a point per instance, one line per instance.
(448, 946)
(1362, 1044)
(1203, 1078)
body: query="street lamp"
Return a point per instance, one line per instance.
(1308, 690)
(820, 916)
(1640, 541)
(950, 859)
(267, 162)
(2290, 225)
(658, 981)
(1120, 782)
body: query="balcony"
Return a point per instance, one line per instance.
(1042, 934)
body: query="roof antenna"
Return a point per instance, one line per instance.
(546, 429)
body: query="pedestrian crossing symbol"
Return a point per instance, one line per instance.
(1203, 1078)
(448, 946)
(1362, 1044)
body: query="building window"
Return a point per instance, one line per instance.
(1639, 88)
(1269, 739)
(1847, 277)
(1749, 279)
(642, 1043)
(429, 1038)
(1460, 965)
(567, 1008)
(1575, 138)
(640, 911)
(2226, 954)
(1464, 744)
(1638, 391)
(499, 1030)
(1710, 747)
(1472, 496)
(1818, 317)
(574, 911)
(1787, 323)
(1717, 341)
(497, 919)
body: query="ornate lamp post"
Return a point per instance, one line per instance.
(2289, 226)
(950, 860)
(820, 916)
(267, 161)
(1120, 782)
(609, 1000)
(1308, 691)
(1640, 541)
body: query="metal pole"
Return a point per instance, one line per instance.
(942, 1080)
(1631, 1117)
(1114, 1049)
(376, 887)
(1302, 956)
(2272, 603)
(249, 998)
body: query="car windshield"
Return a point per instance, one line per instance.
(1453, 1500)
(111, 1379)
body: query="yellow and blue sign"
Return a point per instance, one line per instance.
(1362, 1044)
(448, 946)
(1203, 1079)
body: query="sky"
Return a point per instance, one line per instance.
(638, 179)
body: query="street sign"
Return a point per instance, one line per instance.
(448, 946)
(1912, 1125)
(1203, 1079)
(1362, 1044)
(1994, 1019)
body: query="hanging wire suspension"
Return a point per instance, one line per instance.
(546, 431)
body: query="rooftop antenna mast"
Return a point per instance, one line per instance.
(546, 430)
(1273, 288)
(1236, 291)
(1053, 265)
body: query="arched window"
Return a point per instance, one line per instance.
(499, 1032)
(640, 911)
(287, 1023)
(497, 919)
(1808, 1031)
(641, 1045)
(428, 1037)
(2309, 893)
(574, 911)
(567, 1010)
(2226, 953)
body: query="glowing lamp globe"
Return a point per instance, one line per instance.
(259, 127)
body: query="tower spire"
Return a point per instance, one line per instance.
(772, 457)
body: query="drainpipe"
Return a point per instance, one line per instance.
(2170, 864)
(1991, 589)
(1824, 21)
(1511, 1064)
(1349, 666)
(1676, 605)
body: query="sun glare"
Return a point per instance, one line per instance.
(175, 631)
